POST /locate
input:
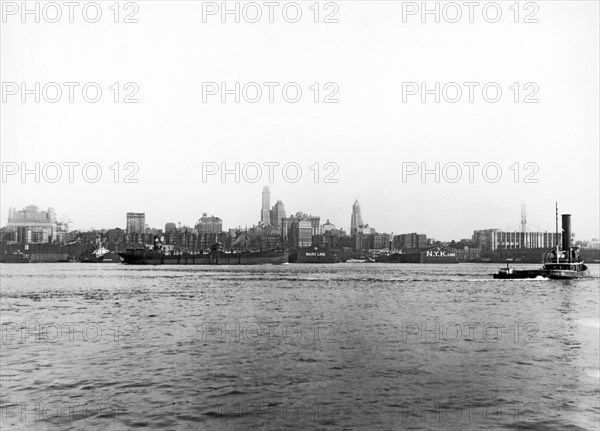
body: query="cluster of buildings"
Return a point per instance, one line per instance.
(30, 225)
(275, 229)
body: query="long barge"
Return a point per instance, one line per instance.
(215, 257)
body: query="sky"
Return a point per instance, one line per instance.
(538, 140)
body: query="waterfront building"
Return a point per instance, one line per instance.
(209, 230)
(496, 239)
(410, 241)
(30, 225)
(299, 229)
(212, 225)
(381, 241)
(169, 227)
(182, 239)
(300, 234)
(136, 223)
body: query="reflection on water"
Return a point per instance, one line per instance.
(345, 346)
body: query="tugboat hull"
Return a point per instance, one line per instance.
(567, 275)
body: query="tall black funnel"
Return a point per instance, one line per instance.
(566, 231)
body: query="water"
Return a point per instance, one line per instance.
(345, 346)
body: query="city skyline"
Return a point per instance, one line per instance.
(355, 213)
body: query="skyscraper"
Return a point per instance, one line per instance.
(136, 223)
(265, 213)
(277, 213)
(356, 220)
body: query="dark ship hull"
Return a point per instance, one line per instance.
(519, 274)
(152, 257)
(15, 258)
(557, 274)
(313, 255)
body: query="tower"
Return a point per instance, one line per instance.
(523, 218)
(356, 220)
(277, 213)
(265, 213)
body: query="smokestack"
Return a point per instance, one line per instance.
(566, 231)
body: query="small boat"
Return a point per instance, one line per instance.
(511, 273)
(356, 260)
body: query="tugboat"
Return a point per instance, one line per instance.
(559, 264)
(565, 264)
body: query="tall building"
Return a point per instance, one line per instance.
(277, 213)
(265, 213)
(136, 223)
(356, 220)
(32, 225)
(209, 225)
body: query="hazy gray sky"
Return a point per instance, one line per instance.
(368, 134)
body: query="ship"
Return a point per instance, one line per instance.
(511, 273)
(559, 263)
(565, 264)
(216, 256)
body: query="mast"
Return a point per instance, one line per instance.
(556, 237)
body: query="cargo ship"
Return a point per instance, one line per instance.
(216, 256)
(559, 263)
